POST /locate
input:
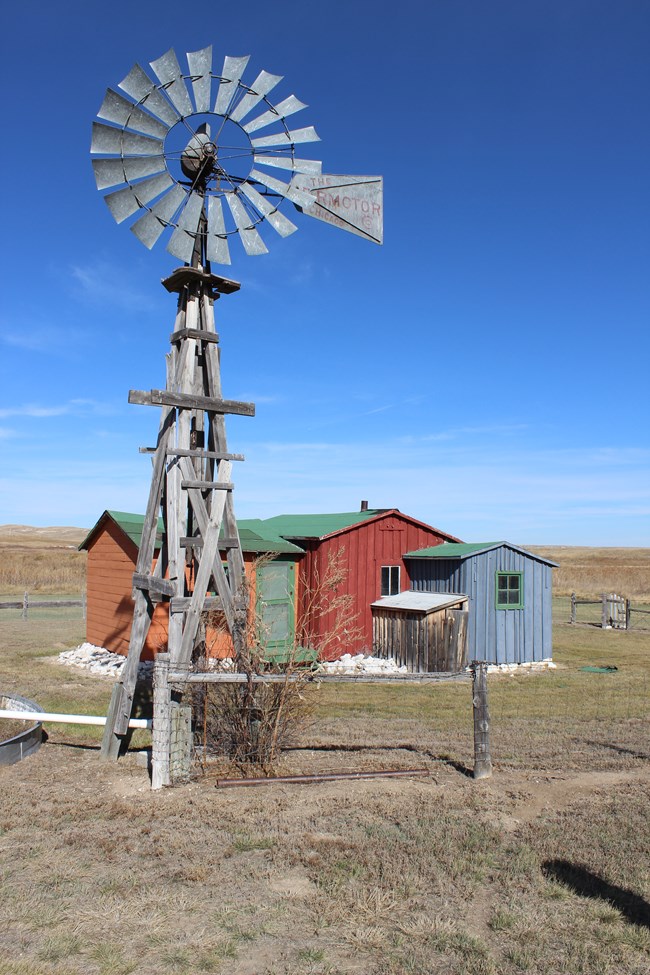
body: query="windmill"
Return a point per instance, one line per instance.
(203, 158)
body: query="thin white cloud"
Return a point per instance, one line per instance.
(74, 407)
(101, 282)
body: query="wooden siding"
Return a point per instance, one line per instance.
(112, 558)
(503, 636)
(422, 642)
(365, 547)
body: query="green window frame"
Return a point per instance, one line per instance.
(509, 589)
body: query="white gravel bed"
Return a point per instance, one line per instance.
(361, 664)
(101, 662)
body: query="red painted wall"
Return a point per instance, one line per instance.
(366, 547)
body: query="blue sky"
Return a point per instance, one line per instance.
(485, 370)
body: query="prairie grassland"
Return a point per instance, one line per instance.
(592, 571)
(542, 868)
(43, 560)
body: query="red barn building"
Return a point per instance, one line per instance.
(371, 544)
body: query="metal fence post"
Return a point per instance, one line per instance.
(482, 757)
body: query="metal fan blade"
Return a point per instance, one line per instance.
(112, 172)
(124, 202)
(119, 142)
(233, 68)
(300, 197)
(253, 243)
(168, 71)
(200, 65)
(150, 226)
(183, 239)
(141, 88)
(217, 245)
(116, 108)
(289, 106)
(262, 85)
(278, 221)
(311, 166)
(352, 203)
(307, 134)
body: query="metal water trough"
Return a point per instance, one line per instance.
(27, 742)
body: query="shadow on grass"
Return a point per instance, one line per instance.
(588, 884)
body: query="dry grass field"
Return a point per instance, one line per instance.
(541, 869)
(592, 571)
(41, 560)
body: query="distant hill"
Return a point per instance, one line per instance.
(29, 536)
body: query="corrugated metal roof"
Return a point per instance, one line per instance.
(422, 602)
(318, 526)
(452, 550)
(463, 550)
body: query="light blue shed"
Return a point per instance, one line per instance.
(509, 591)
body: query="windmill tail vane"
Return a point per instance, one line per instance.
(191, 151)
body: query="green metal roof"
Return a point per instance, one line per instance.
(254, 535)
(318, 526)
(463, 550)
(452, 550)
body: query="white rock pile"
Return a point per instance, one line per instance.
(361, 664)
(101, 662)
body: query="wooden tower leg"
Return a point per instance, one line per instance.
(191, 487)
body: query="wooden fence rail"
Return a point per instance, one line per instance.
(614, 610)
(171, 739)
(25, 604)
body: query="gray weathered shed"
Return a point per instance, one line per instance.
(509, 593)
(423, 631)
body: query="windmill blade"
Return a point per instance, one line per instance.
(119, 142)
(112, 172)
(124, 202)
(307, 134)
(298, 196)
(141, 88)
(278, 221)
(233, 68)
(352, 203)
(253, 243)
(310, 166)
(116, 108)
(289, 106)
(183, 239)
(217, 244)
(200, 65)
(263, 84)
(168, 71)
(150, 226)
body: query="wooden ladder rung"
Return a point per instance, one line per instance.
(181, 603)
(154, 584)
(208, 485)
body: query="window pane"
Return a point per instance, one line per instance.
(385, 580)
(513, 597)
(502, 582)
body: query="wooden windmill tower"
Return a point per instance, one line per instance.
(178, 148)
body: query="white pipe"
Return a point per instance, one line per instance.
(69, 718)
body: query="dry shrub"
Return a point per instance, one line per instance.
(251, 722)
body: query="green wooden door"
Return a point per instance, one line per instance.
(275, 608)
